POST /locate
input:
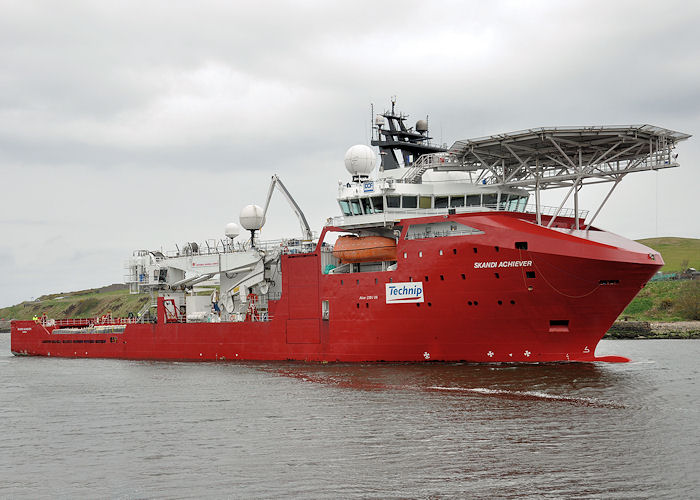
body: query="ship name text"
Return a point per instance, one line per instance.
(503, 263)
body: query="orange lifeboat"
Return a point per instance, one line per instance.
(353, 249)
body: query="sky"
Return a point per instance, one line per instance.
(129, 125)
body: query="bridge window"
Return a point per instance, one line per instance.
(345, 207)
(425, 202)
(410, 201)
(366, 206)
(441, 201)
(473, 200)
(490, 199)
(522, 203)
(355, 204)
(378, 204)
(456, 201)
(393, 201)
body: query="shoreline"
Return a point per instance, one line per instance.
(654, 330)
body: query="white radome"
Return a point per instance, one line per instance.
(360, 160)
(232, 230)
(251, 217)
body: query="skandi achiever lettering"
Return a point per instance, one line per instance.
(503, 263)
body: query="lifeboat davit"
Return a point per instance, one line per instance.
(353, 249)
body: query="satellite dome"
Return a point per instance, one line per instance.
(379, 121)
(421, 126)
(251, 217)
(232, 230)
(360, 160)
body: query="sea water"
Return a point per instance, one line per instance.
(89, 428)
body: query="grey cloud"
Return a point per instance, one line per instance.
(166, 108)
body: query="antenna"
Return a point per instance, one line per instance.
(371, 120)
(393, 102)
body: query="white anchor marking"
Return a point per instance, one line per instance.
(490, 354)
(527, 353)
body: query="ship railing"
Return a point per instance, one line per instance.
(213, 247)
(85, 322)
(393, 214)
(287, 245)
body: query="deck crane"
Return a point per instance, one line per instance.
(277, 182)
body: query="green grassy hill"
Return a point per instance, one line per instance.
(676, 252)
(81, 304)
(669, 300)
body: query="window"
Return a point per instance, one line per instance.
(345, 207)
(325, 310)
(410, 202)
(441, 202)
(513, 203)
(529, 274)
(521, 245)
(522, 203)
(355, 204)
(366, 207)
(393, 201)
(490, 199)
(456, 201)
(378, 204)
(473, 200)
(424, 202)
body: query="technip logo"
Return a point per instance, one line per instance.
(401, 293)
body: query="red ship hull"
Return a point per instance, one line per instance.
(519, 292)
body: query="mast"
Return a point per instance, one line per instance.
(401, 146)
